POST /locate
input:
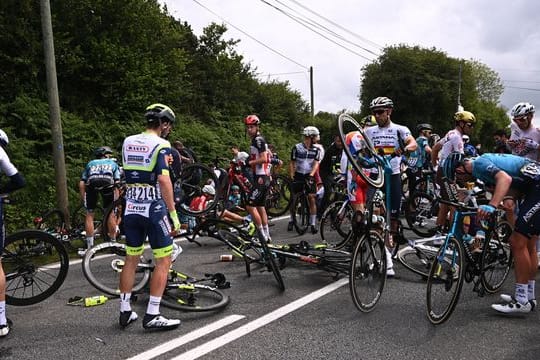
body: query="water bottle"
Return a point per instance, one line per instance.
(95, 300)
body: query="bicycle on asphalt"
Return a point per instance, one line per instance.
(35, 265)
(103, 263)
(455, 263)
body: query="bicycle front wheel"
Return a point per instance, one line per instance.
(270, 262)
(336, 224)
(193, 178)
(278, 199)
(35, 264)
(496, 259)
(445, 281)
(103, 263)
(367, 274)
(193, 297)
(418, 259)
(421, 212)
(300, 212)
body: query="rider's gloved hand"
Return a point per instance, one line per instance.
(175, 220)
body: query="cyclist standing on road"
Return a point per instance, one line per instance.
(305, 158)
(149, 211)
(392, 140)
(100, 176)
(508, 172)
(259, 161)
(16, 181)
(419, 159)
(327, 169)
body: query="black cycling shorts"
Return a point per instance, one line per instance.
(257, 197)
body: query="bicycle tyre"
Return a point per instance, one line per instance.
(347, 124)
(240, 245)
(194, 297)
(443, 271)
(421, 214)
(193, 178)
(102, 266)
(496, 260)
(300, 212)
(418, 260)
(336, 228)
(278, 199)
(35, 265)
(116, 210)
(270, 262)
(367, 270)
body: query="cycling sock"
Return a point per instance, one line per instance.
(3, 320)
(89, 242)
(153, 305)
(266, 231)
(312, 219)
(530, 290)
(521, 293)
(261, 230)
(125, 304)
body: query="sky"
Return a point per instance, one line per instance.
(504, 35)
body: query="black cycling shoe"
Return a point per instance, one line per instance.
(290, 226)
(314, 229)
(127, 317)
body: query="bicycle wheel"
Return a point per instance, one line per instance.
(270, 261)
(367, 274)
(445, 281)
(35, 264)
(278, 199)
(193, 297)
(336, 224)
(418, 259)
(78, 219)
(113, 226)
(300, 212)
(53, 222)
(240, 245)
(421, 214)
(496, 259)
(103, 263)
(189, 186)
(347, 124)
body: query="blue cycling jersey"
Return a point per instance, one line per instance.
(487, 166)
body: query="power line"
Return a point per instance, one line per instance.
(301, 23)
(524, 81)
(521, 88)
(251, 37)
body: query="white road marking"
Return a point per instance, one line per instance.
(260, 322)
(170, 345)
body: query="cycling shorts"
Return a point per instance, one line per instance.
(148, 220)
(300, 182)
(91, 198)
(528, 217)
(257, 197)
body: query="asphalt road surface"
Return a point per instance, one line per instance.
(314, 318)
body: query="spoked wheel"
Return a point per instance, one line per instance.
(35, 264)
(300, 212)
(421, 212)
(103, 263)
(367, 156)
(271, 262)
(445, 281)
(336, 224)
(496, 260)
(418, 259)
(367, 274)
(240, 244)
(188, 296)
(278, 199)
(193, 178)
(113, 227)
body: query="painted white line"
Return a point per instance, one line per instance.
(170, 345)
(260, 322)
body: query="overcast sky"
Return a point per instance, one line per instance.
(504, 35)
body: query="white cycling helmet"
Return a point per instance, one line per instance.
(4, 140)
(310, 131)
(466, 138)
(209, 189)
(522, 109)
(381, 102)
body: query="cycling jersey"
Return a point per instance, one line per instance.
(356, 185)
(100, 173)
(529, 146)
(451, 142)
(259, 146)
(145, 157)
(305, 158)
(388, 139)
(8, 169)
(418, 158)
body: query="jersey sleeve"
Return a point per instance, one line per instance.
(5, 164)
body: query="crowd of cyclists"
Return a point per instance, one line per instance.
(151, 165)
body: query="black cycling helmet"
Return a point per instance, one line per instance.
(424, 126)
(451, 163)
(159, 112)
(101, 151)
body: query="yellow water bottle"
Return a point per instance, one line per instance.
(95, 300)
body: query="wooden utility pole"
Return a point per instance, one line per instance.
(311, 89)
(54, 109)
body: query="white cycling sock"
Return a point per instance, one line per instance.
(89, 242)
(530, 290)
(521, 293)
(312, 219)
(266, 231)
(125, 304)
(153, 305)
(3, 320)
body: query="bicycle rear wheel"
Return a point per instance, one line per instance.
(336, 224)
(367, 274)
(113, 227)
(193, 178)
(278, 199)
(187, 296)
(35, 264)
(496, 259)
(418, 259)
(300, 212)
(103, 263)
(445, 281)
(421, 214)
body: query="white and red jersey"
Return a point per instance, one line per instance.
(530, 141)
(259, 148)
(389, 139)
(451, 142)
